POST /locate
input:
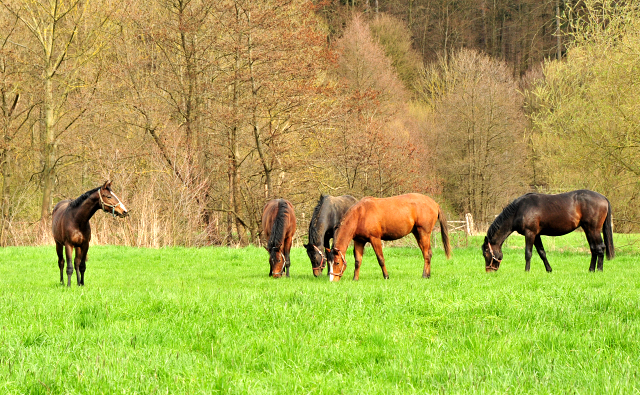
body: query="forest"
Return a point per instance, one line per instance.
(201, 111)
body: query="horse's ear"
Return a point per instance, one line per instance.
(107, 184)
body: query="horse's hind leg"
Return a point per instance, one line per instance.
(596, 245)
(69, 252)
(424, 242)
(543, 255)
(377, 247)
(59, 248)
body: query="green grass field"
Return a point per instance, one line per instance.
(201, 321)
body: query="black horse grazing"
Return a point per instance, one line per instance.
(71, 227)
(325, 219)
(278, 227)
(536, 214)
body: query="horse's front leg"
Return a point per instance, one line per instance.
(83, 261)
(76, 264)
(287, 253)
(59, 249)
(377, 247)
(358, 251)
(327, 249)
(528, 250)
(69, 253)
(543, 255)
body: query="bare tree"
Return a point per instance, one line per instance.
(61, 38)
(478, 130)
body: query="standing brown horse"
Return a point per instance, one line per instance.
(536, 214)
(71, 227)
(278, 227)
(373, 220)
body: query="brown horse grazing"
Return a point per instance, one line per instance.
(71, 227)
(535, 214)
(278, 227)
(373, 220)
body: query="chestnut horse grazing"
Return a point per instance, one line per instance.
(373, 220)
(71, 229)
(278, 227)
(325, 219)
(535, 214)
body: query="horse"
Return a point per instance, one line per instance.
(375, 219)
(536, 214)
(71, 229)
(278, 227)
(325, 219)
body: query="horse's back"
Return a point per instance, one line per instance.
(395, 217)
(270, 214)
(559, 214)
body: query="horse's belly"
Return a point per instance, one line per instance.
(395, 233)
(556, 232)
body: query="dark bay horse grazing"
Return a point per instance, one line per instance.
(326, 217)
(536, 214)
(71, 229)
(278, 228)
(373, 220)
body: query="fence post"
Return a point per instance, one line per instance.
(470, 228)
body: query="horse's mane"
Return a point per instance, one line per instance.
(506, 213)
(77, 202)
(313, 224)
(277, 229)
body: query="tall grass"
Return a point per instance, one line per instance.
(182, 320)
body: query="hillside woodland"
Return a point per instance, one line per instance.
(200, 111)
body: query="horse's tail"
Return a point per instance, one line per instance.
(607, 231)
(277, 229)
(444, 232)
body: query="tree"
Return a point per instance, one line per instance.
(478, 131)
(15, 109)
(585, 110)
(62, 37)
(372, 143)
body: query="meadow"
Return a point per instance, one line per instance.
(210, 320)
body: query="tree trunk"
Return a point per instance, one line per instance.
(49, 151)
(254, 119)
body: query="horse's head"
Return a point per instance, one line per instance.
(337, 265)
(276, 261)
(492, 255)
(318, 259)
(110, 203)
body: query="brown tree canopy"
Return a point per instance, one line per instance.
(201, 111)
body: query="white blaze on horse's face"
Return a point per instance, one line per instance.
(120, 205)
(331, 276)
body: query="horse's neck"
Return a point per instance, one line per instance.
(86, 210)
(345, 233)
(321, 229)
(503, 232)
